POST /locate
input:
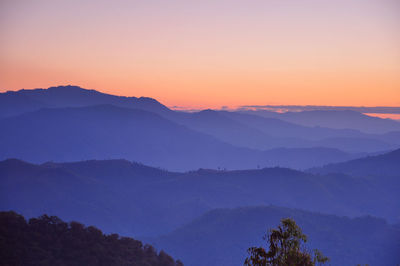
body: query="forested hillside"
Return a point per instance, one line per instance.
(47, 240)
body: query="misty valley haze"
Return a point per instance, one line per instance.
(194, 183)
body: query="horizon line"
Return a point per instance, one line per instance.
(280, 108)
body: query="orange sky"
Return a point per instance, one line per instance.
(207, 53)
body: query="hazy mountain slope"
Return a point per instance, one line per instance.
(18, 102)
(277, 127)
(235, 132)
(393, 137)
(115, 172)
(284, 134)
(130, 198)
(225, 234)
(257, 132)
(387, 164)
(357, 145)
(12, 103)
(285, 187)
(107, 194)
(382, 171)
(335, 119)
(34, 190)
(224, 128)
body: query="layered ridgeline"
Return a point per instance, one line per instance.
(255, 131)
(139, 201)
(130, 198)
(110, 132)
(71, 124)
(226, 234)
(47, 240)
(333, 119)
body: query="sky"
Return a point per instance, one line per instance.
(209, 53)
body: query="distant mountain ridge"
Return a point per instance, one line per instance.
(267, 133)
(111, 132)
(338, 119)
(238, 129)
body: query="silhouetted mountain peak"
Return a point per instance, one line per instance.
(146, 99)
(71, 89)
(67, 88)
(62, 89)
(207, 113)
(17, 102)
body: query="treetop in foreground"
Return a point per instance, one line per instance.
(286, 247)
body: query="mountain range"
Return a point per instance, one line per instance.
(159, 201)
(110, 132)
(70, 123)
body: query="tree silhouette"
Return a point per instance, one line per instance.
(285, 248)
(47, 240)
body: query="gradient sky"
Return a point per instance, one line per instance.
(207, 53)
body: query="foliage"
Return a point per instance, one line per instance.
(48, 240)
(285, 248)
